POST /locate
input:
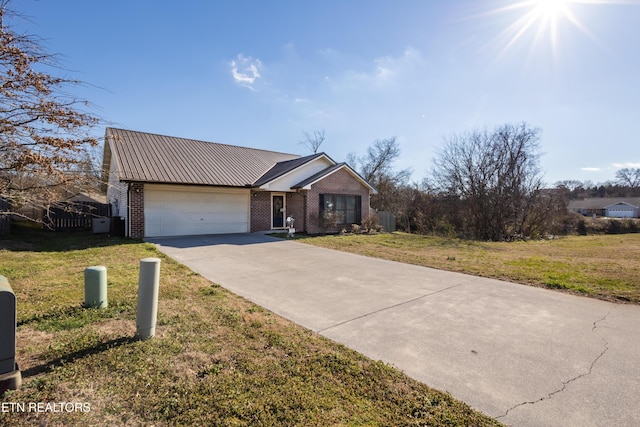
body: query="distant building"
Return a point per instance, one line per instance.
(612, 207)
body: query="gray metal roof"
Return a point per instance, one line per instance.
(602, 202)
(147, 157)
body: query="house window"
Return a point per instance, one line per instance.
(346, 208)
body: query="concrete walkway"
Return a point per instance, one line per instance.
(526, 356)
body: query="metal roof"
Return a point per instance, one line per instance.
(146, 157)
(602, 202)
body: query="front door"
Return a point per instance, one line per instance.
(277, 211)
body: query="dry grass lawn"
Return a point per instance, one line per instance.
(603, 266)
(217, 359)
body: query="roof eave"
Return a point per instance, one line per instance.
(265, 185)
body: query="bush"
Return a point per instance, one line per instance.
(370, 223)
(615, 227)
(581, 228)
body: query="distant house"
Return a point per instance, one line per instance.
(87, 197)
(170, 186)
(612, 207)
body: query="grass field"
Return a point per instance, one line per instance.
(603, 266)
(216, 358)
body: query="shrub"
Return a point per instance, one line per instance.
(370, 223)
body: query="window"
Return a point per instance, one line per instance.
(346, 208)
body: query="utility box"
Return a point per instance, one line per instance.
(10, 377)
(100, 225)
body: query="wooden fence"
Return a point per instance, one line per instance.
(75, 215)
(387, 220)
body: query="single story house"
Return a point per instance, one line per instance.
(170, 186)
(612, 207)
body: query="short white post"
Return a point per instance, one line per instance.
(148, 285)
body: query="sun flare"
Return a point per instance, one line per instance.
(541, 20)
(549, 9)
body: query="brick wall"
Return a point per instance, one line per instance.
(295, 208)
(260, 210)
(340, 182)
(136, 210)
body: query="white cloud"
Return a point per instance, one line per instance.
(626, 165)
(245, 70)
(588, 169)
(386, 71)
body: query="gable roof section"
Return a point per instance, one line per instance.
(621, 203)
(145, 157)
(307, 183)
(602, 202)
(283, 168)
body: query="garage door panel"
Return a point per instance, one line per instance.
(180, 210)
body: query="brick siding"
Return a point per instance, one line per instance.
(260, 211)
(295, 208)
(136, 210)
(340, 182)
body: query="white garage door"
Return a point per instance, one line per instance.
(621, 212)
(184, 210)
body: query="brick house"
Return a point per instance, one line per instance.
(169, 186)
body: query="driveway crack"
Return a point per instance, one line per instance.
(389, 307)
(569, 381)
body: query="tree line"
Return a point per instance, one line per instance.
(484, 184)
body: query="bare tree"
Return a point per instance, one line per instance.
(44, 132)
(377, 168)
(313, 142)
(492, 180)
(628, 177)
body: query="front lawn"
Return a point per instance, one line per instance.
(603, 266)
(217, 359)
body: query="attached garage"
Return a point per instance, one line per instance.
(179, 210)
(621, 210)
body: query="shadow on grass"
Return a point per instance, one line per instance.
(72, 357)
(59, 313)
(75, 316)
(30, 239)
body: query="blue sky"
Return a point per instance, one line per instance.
(259, 74)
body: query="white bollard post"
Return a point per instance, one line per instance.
(148, 285)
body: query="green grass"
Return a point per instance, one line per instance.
(217, 359)
(603, 266)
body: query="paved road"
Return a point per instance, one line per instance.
(527, 356)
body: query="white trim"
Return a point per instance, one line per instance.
(284, 213)
(267, 185)
(621, 203)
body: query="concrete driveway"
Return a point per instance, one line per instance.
(526, 356)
